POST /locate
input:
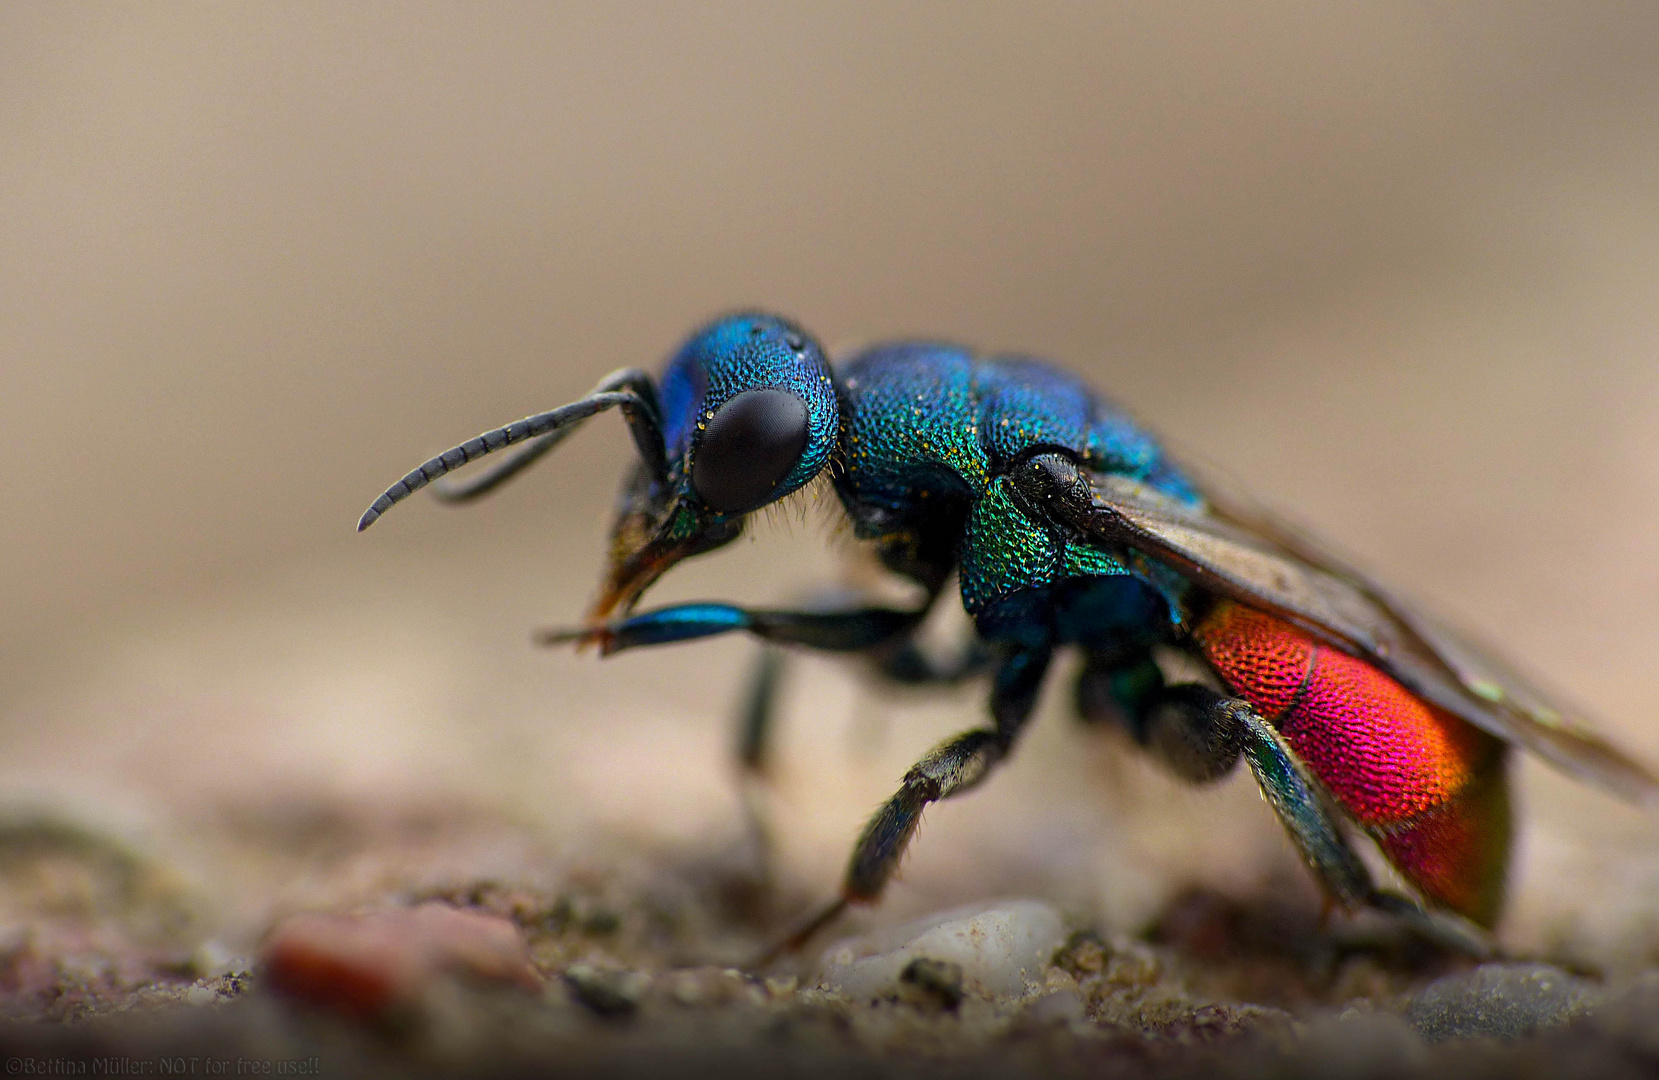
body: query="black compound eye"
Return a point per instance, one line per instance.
(748, 448)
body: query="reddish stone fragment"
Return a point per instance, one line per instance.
(364, 965)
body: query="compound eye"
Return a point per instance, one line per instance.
(748, 448)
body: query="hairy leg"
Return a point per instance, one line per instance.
(885, 637)
(954, 766)
(900, 660)
(1200, 735)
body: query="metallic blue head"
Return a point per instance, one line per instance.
(749, 415)
(745, 413)
(738, 356)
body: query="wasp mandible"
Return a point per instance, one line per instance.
(1066, 524)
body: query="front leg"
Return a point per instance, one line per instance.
(884, 636)
(900, 660)
(850, 630)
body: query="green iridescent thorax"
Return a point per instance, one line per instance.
(1004, 551)
(929, 433)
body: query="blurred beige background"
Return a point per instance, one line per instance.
(1394, 264)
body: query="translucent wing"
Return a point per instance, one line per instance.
(1237, 551)
(1480, 670)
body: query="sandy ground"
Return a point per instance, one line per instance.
(139, 893)
(1392, 267)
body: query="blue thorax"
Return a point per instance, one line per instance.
(930, 431)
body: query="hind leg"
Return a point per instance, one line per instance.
(1218, 730)
(1200, 735)
(1180, 725)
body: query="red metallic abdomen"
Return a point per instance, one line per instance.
(1427, 786)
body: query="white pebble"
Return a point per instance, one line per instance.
(1002, 948)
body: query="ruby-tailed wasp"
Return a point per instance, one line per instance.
(1065, 524)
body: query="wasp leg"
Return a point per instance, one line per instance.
(753, 745)
(954, 766)
(851, 630)
(884, 635)
(905, 662)
(898, 660)
(1298, 800)
(1116, 686)
(1181, 725)
(1202, 734)
(754, 719)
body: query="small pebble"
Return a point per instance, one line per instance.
(211, 958)
(1208, 1023)
(1059, 1007)
(687, 992)
(1504, 1001)
(1361, 1046)
(200, 995)
(1084, 954)
(1001, 951)
(363, 965)
(610, 992)
(713, 986)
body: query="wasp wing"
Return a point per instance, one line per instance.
(1481, 671)
(1238, 553)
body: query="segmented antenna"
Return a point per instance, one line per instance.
(629, 389)
(455, 490)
